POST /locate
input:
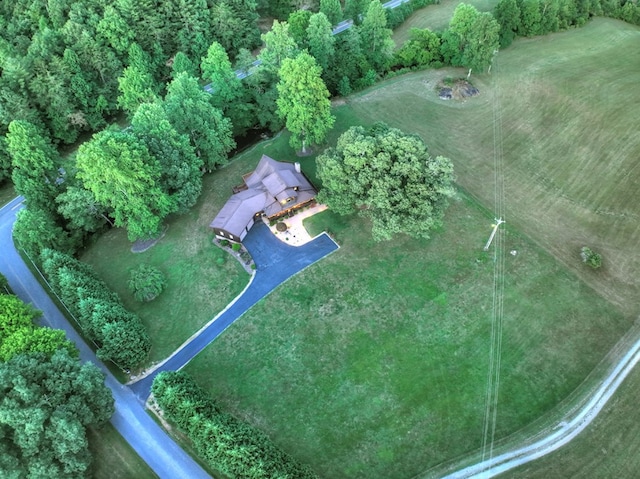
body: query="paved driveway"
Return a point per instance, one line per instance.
(275, 263)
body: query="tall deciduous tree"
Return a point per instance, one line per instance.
(471, 39)
(278, 45)
(377, 43)
(190, 111)
(119, 170)
(507, 14)
(45, 406)
(35, 164)
(136, 84)
(332, 9)
(389, 177)
(303, 101)
(81, 210)
(298, 23)
(321, 40)
(180, 175)
(227, 91)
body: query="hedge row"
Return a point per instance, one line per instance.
(228, 445)
(120, 335)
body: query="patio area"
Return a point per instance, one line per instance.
(296, 234)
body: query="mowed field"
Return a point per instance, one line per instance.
(570, 145)
(373, 363)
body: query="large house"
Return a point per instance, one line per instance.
(273, 189)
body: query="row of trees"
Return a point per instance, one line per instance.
(228, 445)
(527, 18)
(119, 334)
(47, 398)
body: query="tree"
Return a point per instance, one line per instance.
(35, 164)
(118, 169)
(234, 24)
(180, 176)
(377, 44)
(303, 101)
(227, 91)
(146, 283)
(46, 405)
(190, 111)
(422, 49)
(389, 177)
(530, 18)
(354, 9)
(81, 210)
(507, 14)
(332, 9)
(278, 45)
(35, 230)
(5, 161)
(471, 39)
(321, 40)
(35, 340)
(136, 84)
(298, 23)
(182, 63)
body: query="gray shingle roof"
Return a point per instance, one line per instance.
(269, 186)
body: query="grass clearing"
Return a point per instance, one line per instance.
(113, 457)
(436, 17)
(372, 363)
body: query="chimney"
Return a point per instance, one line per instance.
(297, 166)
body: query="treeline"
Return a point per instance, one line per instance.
(47, 398)
(526, 18)
(118, 333)
(228, 445)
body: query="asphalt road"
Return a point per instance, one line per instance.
(276, 262)
(155, 447)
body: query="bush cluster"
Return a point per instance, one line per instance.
(228, 445)
(119, 334)
(146, 283)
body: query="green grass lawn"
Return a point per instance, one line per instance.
(436, 17)
(113, 457)
(373, 362)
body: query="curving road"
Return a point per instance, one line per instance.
(155, 447)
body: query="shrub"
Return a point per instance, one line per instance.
(590, 257)
(224, 243)
(146, 283)
(219, 260)
(236, 247)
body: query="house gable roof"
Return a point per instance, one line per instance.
(269, 187)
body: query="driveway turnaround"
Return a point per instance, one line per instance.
(275, 262)
(148, 439)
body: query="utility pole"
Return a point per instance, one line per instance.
(493, 233)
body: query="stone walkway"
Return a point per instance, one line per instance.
(296, 233)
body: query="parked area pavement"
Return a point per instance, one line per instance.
(276, 262)
(296, 233)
